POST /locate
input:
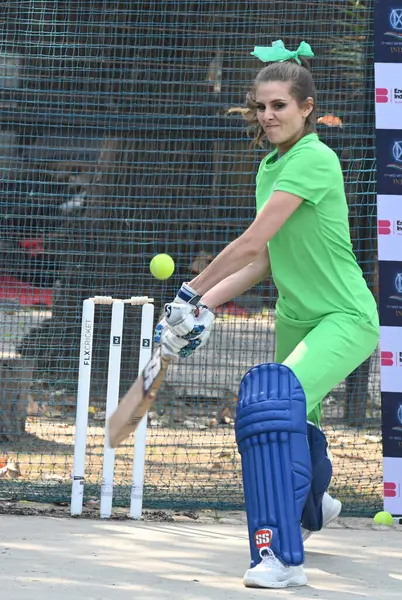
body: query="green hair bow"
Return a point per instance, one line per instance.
(278, 53)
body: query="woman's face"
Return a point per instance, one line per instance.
(280, 115)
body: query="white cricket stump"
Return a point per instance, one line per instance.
(112, 399)
(81, 423)
(140, 435)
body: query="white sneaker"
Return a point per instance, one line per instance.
(272, 573)
(331, 507)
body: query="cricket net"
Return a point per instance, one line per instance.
(115, 145)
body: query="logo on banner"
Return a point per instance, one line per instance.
(398, 288)
(390, 293)
(397, 154)
(381, 95)
(388, 96)
(399, 419)
(389, 161)
(389, 228)
(391, 489)
(395, 20)
(391, 359)
(384, 95)
(386, 227)
(387, 31)
(391, 409)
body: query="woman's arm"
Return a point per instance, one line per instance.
(238, 283)
(246, 248)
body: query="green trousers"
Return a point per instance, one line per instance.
(321, 356)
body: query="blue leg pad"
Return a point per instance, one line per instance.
(322, 474)
(271, 434)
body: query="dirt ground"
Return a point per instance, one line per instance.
(183, 462)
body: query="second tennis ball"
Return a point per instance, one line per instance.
(383, 518)
(162, 266)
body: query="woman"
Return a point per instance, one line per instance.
(326, 317)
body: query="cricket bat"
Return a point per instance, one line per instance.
(137, 401)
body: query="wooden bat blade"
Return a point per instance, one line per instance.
(137, 401)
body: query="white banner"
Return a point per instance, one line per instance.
(389, 215)
(392, 485)
(391, 359)
(388, 95)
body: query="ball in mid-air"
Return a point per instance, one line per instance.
(383, 518)
(162, 266)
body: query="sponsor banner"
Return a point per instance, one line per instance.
(388, 112)
(389, 221)
(392, 424)
(388, 95)
(388, 31)
(390, 291)
(391, 359)
(392, 485)
(389, 161)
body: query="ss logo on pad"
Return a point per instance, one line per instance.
(262, 538)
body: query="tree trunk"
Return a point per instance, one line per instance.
(15, 375)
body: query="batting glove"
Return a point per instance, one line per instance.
(185, 316)
(175, 346)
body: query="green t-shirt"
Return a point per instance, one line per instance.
(312, 260)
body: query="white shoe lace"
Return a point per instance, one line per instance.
(269, 560)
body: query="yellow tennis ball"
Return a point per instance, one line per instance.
(383, 518)
(162, 266)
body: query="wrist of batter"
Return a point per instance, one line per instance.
(188, 295)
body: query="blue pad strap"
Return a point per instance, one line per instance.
(271, 433)
(322, 474)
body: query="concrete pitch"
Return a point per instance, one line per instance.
(46, 558)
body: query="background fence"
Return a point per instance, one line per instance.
(114, 145)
